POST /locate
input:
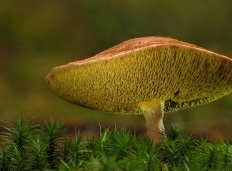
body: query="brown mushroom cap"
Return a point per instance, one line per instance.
(118, 79)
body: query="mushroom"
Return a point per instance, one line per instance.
(149, 76)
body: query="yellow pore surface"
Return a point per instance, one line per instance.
(180, 74)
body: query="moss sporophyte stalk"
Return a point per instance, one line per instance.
(149, 75)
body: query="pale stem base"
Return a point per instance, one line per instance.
(153, 113)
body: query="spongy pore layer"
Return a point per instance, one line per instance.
(118, 79)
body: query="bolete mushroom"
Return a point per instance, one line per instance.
(149, 76)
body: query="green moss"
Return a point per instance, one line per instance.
(26, 146)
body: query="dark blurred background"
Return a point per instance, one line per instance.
(36, 36)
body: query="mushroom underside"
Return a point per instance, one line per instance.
(171, 105)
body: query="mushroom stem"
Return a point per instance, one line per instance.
(153, 113)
